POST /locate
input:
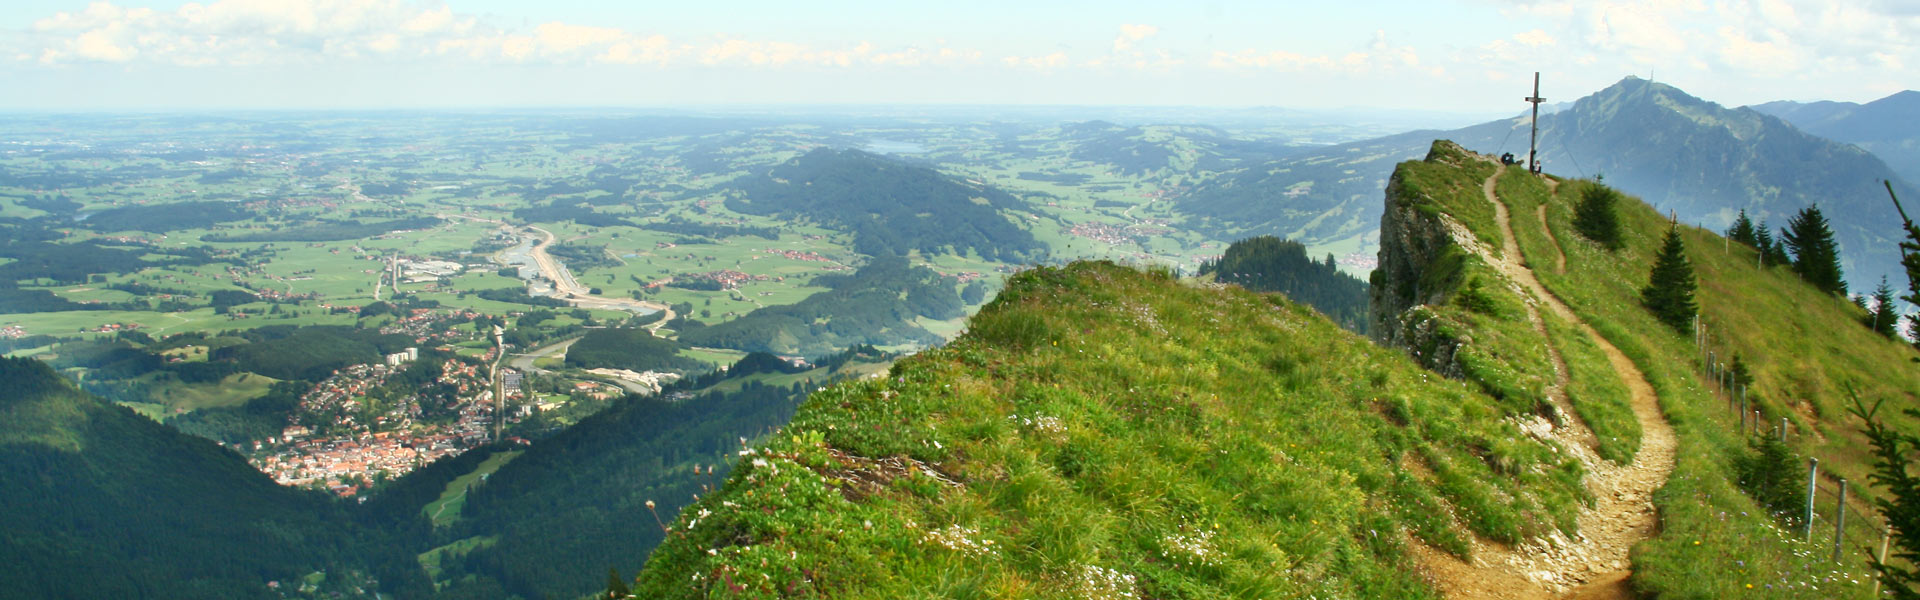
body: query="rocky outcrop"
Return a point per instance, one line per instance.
(1420, 253)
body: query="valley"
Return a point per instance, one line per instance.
(895, 356)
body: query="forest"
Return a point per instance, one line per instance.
(576, 504)
(1270, 264)
(162, 218)
(634, 349)
(891, 207)
(327, 231)
(115, 520)
(875, 305)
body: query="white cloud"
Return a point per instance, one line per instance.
(1048, 62)
(1132, 34)
(248, 32)
(1378, 56)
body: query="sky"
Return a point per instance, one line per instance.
(1440, 55)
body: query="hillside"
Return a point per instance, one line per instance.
(1888, 127)
(1678, 152)
(891, 207)
(1454, 265)
(91, 492)
(1104, 432)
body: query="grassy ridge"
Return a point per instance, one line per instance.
(1102, 432)
(1801, 344)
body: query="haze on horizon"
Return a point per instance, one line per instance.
(1460, 56)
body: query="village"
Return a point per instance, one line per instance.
(344, 439)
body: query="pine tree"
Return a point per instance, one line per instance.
(1816, 257)
(1883, 319)
(1594, 216)
(616, 586)
(1769, 248)
(1892, 469)
(1909, 251)
(1669, 291)
(1742, 230)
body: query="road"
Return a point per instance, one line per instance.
(571, 290)
(524, 362)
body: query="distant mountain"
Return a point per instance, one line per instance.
(1888, 127)
(98, 502)
(1137, 151)
(891, 207)
(1695, 158)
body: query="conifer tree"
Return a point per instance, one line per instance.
(1892, 469)
(1594, 216)
(1742, 230)
(1769, 248)
(1669, 291)
(1909, 251)
(1882, 318)
(1816, 257)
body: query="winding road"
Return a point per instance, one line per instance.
(1593, 565)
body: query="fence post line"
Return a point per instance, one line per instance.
(1840, 520)
(1813, 479)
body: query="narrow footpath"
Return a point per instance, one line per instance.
(1594, 564)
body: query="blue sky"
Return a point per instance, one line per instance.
(1445, 56)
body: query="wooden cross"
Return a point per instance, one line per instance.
(1533, 141)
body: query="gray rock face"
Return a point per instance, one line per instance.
(1414, 237)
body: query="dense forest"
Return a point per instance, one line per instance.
(139, 510)
(162, 218)
(309, 353)
(1270, 264)
(892, 208)
(575, 504)
(36, 257)
(327, 231)
(875, 305)
(633, 349)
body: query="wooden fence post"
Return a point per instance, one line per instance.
(1813, 480)
(1886, 535)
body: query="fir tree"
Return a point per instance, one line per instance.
(1770, 251)
(1594, 216)
(1882, 318)
(1909, 252)
(1816, 257)
(1669, 291)
(1742, 230)
(1892, 469)
(616, 586)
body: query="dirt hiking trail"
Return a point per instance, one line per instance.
(1594, 564)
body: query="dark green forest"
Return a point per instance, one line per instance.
(138, 510)
(327, 231)
(633, 349)
(1270, 264)
(875, 305)
(162, 218)
(575, 504)
(891, 207)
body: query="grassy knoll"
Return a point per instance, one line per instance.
(1106, 432)
(446, 509)
(1803, 347)
(234, 390)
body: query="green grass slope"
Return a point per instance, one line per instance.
(1803, 347)
(1102, 432)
